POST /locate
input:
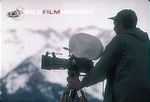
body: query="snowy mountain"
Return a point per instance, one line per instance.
(22, 78)
(27, 83)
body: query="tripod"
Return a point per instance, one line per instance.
(72, 95)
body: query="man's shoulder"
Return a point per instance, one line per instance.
(120, 38)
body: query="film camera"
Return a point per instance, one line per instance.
(73, 64)
(83, 48)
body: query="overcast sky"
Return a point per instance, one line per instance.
(101, 10)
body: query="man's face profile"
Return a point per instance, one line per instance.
(117, 27)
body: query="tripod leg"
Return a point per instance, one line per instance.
(73, 96)
(64, 97)
(69, 97)
(81, 96)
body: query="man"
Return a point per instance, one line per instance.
(124, 63)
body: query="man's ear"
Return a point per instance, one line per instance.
(121, 26)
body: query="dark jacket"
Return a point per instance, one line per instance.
(125, 65)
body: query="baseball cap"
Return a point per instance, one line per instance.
(126, 16)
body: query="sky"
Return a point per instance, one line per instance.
(99, 11)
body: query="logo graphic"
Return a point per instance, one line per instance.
(16, 14)
(20, 12)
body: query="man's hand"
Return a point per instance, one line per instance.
(74, 83)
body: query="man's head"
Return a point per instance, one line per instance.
(125, 19)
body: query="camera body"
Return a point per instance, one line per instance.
(73, 64)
